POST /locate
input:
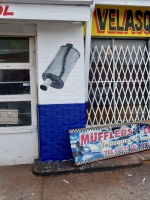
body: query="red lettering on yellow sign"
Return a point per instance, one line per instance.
(110, 21)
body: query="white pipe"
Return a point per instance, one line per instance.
(44, 86)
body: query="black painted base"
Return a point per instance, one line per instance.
(64, 167)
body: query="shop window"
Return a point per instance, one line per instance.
(14, 82)
(14, 50)
(118, 81)
(22, 116)
(17, 82)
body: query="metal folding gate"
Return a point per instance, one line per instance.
(119, 81)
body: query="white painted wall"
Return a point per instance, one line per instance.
(45, 12)
(18, 148)
(51, 35)
(19, 145)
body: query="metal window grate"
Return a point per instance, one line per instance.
(119, 81)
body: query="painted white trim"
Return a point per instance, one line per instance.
(124, 2)
(9, 29)
(87, 50)
(20, 130)
(87, 56)
(17, 161)
(62, 2)
(46, 12)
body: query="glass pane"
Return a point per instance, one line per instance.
(131, 75)
(16, 113)
(100, 101)
(129, 56)
(14, 82)
(101, 60)
(118, 81)
(14, 50)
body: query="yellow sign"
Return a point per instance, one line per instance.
(121, 21)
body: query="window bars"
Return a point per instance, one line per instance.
(119, 81)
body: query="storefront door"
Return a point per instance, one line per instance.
(118, 81)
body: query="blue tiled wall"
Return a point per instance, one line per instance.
(54, 124)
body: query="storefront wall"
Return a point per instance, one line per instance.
(64, 108)
(62, 105)
(58, 109)
(18, 135)
(119, 71)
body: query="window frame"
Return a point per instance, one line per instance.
(23, 97)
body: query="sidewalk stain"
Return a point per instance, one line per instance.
(2, 197)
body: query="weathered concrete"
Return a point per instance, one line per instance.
(102, 182)
(50, 168)
(144, 156)
(19, 183)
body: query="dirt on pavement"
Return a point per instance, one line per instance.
(20, 183)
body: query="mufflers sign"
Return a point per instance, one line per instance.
(93, 144)
(120, 21)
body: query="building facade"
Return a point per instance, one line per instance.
(42, 78)
(47, 86)
(118, 88)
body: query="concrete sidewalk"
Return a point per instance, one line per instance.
(20, 183)
(54, 168)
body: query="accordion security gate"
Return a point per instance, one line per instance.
(119, 82)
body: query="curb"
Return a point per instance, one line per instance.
(66, 167)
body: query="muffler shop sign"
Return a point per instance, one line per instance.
(93, 144)
(5, 11)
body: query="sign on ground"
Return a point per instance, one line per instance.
(99, 143)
